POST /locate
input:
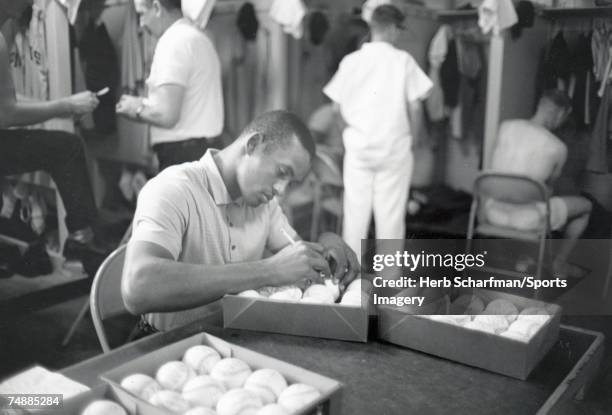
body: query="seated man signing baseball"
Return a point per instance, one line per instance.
(201, 228)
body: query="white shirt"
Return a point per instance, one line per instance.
(185, 56)
(188, 210)
(373, 86)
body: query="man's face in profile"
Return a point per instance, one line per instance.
(267, 172)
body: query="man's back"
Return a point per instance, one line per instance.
(526, 148)
(373, 86)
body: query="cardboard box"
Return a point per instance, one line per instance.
(76, 404)
(328, 402)
(330, 321)
(475, 348)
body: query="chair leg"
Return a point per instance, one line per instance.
(76, 322)
(541, 251)
(135, 330)
(606, 287)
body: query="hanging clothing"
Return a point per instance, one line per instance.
(198, 11)
(450, 76)
(438, 49)
(101, 71)
(247, 21)
(28, 58)
(290, 15)
(72, 9)
(318, 26)
(598, 148)
(132, 57)
(471, 89)
(584, 99)
(496, 15)
(555, 67)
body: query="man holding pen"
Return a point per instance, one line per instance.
(201, 229)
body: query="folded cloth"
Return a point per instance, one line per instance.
(198, 11)
(496, 15)
(290, 15)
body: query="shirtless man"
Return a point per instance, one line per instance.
(529, 148)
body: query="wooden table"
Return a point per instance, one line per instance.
(381, 378)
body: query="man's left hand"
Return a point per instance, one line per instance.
(347, 264)
(128, 105)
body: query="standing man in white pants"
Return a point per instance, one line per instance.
(378, 90)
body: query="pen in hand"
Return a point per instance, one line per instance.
(293, 242)
(289, 238)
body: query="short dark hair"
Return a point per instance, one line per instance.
(386, 16)
(558, 98)
(279, 127)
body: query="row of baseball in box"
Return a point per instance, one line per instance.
(205, 383)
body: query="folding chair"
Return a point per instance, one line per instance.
(105, 300)
(515, 189)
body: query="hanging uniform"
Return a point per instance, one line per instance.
(28, 58)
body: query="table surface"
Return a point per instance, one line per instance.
(382, 378)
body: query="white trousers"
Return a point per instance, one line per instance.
(380, 188)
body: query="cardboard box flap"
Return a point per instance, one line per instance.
(247, 303)
(349, 325)
(296, 318)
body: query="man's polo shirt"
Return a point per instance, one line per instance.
(188, 210)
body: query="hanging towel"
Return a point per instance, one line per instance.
(438, 49)
(132, 58)
(101, 70)
(198, 11)
(290, 15)
(72, 9)
(598, 147)
(496, 15)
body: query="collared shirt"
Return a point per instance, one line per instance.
(373, 86)
(188, 210)
(185, 56)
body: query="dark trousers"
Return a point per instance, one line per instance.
(169, 154)
(60, 154)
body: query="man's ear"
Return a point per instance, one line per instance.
(157, 8)
(255, 140)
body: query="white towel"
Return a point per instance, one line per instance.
(72, 9)
(496, 15)
(290, 15)
(198, 11)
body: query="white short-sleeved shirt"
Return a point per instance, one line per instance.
(373, 86)
(188, 210)
(185, 56)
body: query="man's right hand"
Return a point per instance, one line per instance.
(82, 103)
(302, 261)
